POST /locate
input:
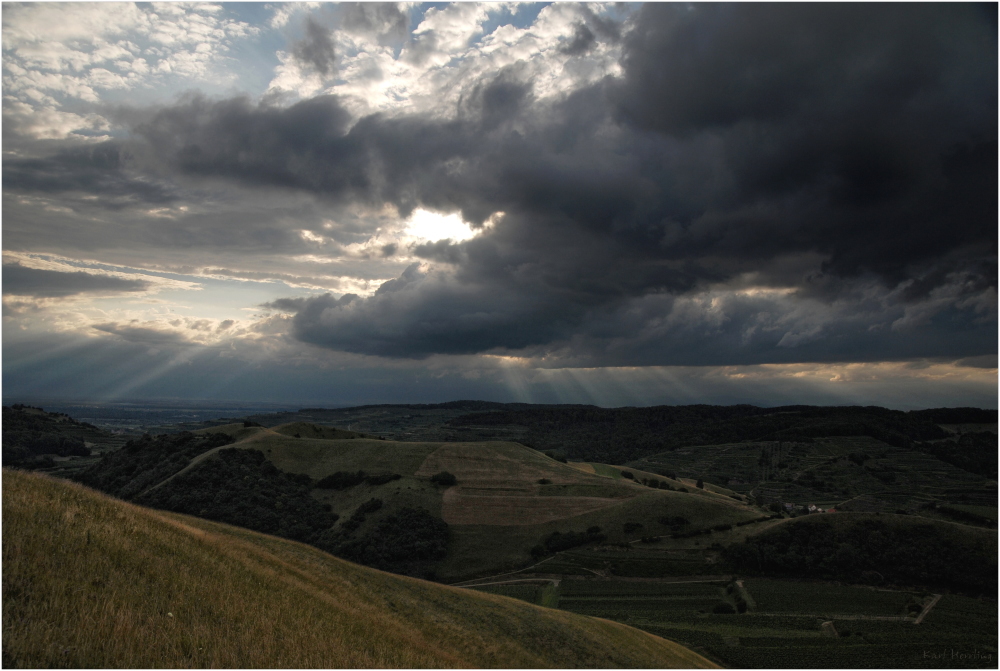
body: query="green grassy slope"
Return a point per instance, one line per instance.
(499, 509)
(507, 501)
(90, 581)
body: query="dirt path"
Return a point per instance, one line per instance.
(751, 604)
(927, 609)
(467, 583)
(553, 581)
(883, 618)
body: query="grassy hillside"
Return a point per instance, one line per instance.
(376, 501)
(499, 508)
(90, 581)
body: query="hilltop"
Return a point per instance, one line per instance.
(620, 435)
(90, 581)
(385, 503)
(34, 438)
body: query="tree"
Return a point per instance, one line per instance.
(700, 484)
(444, 478)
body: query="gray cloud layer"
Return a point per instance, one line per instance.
(845, 154)
(21, 280)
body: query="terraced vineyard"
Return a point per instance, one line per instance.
(781, 596)
(787, 623)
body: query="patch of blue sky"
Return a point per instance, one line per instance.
(522, 16)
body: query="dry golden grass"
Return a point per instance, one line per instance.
(582, 466)
(89, 581)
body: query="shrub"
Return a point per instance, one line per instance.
(341, 480)
(444, 478)
(557, 542)
(723, 608)
(628, 474)
(545, 481)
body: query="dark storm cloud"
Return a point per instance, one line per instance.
(419, 314)
(501, 98)
(95, 171)
(302, 147)
(880, 118)
(818, 148)
(21, 280)
(315, 49)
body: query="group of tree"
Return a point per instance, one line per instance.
(619, 435)
(32, 437)
(559, 541)
(242, 487)
(407, 542)
(342, 480)
(878, 551)
(148, 460)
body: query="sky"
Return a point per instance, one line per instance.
(617, 204)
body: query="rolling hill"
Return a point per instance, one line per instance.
(377, 502)
(33, 438)
(90, 581)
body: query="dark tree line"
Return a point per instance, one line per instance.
(972, 452)
(871, 551)
(620, 435)
(558, 541)
(407, 542)
(243, 488)
(143, 462)
(30, 438)
(342, 480)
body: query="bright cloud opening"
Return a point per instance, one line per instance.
(432, 226)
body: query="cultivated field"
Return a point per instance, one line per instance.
(789, 624)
